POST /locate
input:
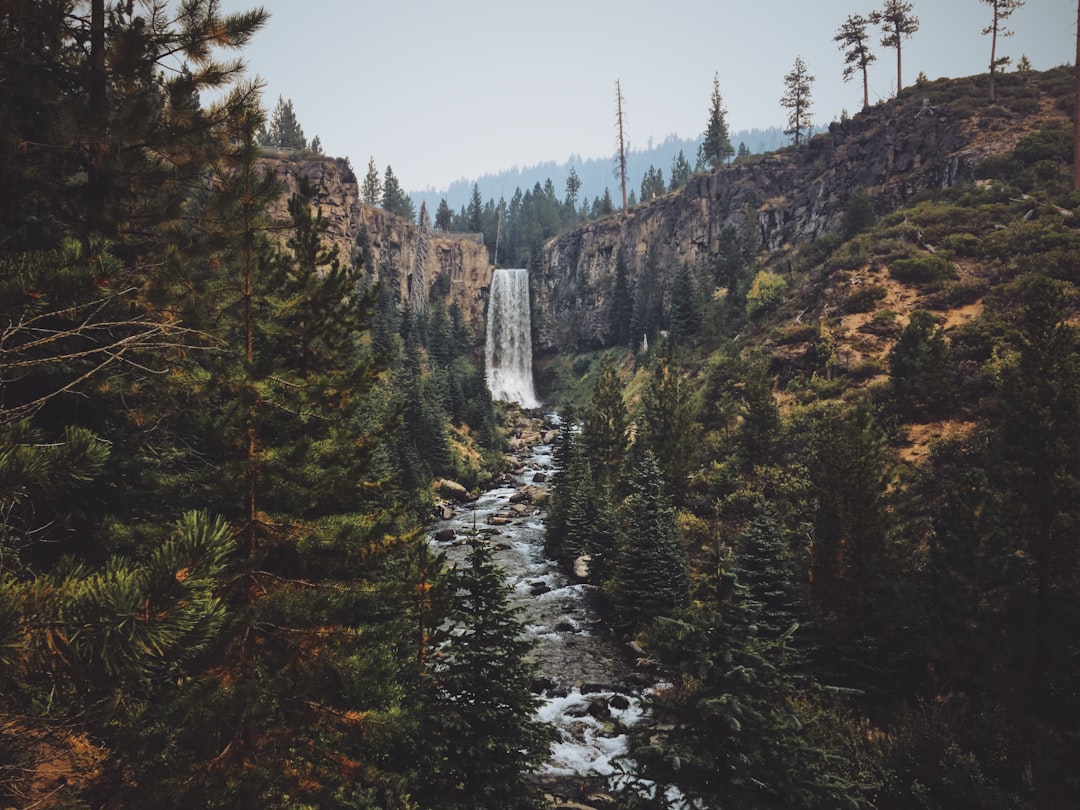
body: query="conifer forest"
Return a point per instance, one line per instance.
(822, 498)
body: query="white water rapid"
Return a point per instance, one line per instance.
(588, 687)
(508, 352)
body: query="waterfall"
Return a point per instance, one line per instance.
(508, 354)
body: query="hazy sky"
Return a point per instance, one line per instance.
(446, 90)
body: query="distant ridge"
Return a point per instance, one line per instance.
(596, 173)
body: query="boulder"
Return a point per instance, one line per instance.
(452, 490)
(581, 567)
(539, 477)
(445, 536)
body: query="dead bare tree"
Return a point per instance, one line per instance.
(621, 157)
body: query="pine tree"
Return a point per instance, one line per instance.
(651, 572)
(479, 741)
(394, 199)
(680, 172)
(284, 130)
(897, 24)
(1002, 10)
(665, 426)
(918, 364)
(371, 191)
(444, 219)
(606, 422)
(728, 732)
(854, 41)
(797, 99)
(716, 146)
(125, 140)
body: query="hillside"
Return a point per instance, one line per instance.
(893, 152)
(850, 389)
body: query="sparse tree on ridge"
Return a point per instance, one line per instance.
(855, 43)
(797, 100)
(394, 199)
(897, 24)
(444, 217)
(1002, 9)
(680, 172)
(716, 147)
(620, 158)
(573, 188)
(371, 191)
(284, 129)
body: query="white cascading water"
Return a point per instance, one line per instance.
(508, 352)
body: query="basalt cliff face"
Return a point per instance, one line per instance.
(389, 247)
(892, 151)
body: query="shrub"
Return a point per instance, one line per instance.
(1052, 142)
(864, 298)
(765, 293)
(956, 294)
(922, 269)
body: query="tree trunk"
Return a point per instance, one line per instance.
(993, 55)
(1076, 105)
(98, 112)
(899, 72)
(865, 90)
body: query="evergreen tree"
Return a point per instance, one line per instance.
(716, 147)
(850, 555)
(919, 365)
(1036, 434)
(606, 423)
(685, 316)
(125, 140)
(797, 100)
(728, 732)
(897, 24)
(1002, 10)
(665, 426)
(651, 572)
(284, 130)
(479, 742)
(371, 191)
(759, 432)
(476, 211)
(680, 172)
(854, 41)
(444, 218)
(573, 188)
(394, 199)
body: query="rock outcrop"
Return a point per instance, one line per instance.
(893, 151)
(387, 244)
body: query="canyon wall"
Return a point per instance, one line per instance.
(387, 245)
(893, 151)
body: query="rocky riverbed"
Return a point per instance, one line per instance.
(589, 687)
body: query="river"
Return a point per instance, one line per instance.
(585, 674)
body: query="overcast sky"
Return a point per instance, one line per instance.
(445, 90)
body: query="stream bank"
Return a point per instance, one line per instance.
(589, 688)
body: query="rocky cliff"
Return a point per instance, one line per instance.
(387, 245)
(893, 151)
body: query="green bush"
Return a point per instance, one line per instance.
(1025, 105)
(864, 298)
(922, 269)
(955, 294)
(1052, 142)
